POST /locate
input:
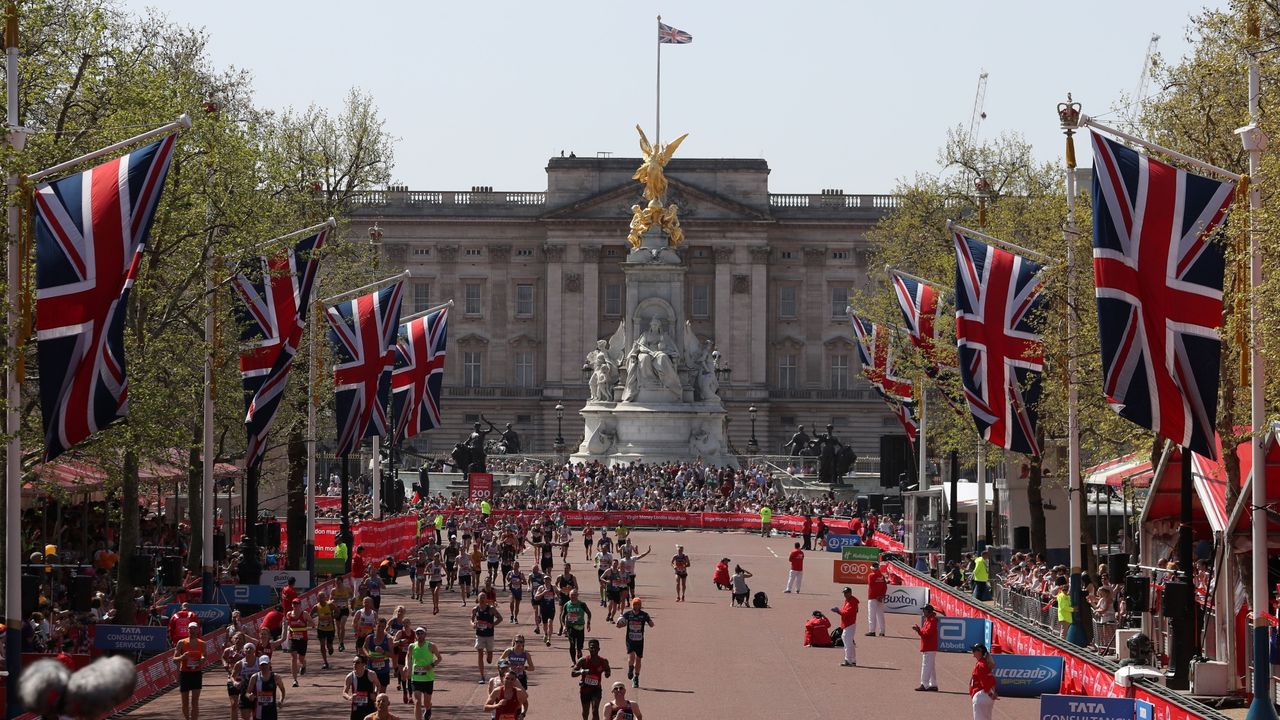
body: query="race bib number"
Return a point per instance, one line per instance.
(297, 634)
(421, 669)
(592, 681)
(361, 698)
(266, 699)
(482, 625)
(573, 616)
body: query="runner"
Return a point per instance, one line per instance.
(616, 581)
(342, 598)
(509, 701)
(484, 619)
(377, 648)
(680, 563)
(401, 636)
(435, 578)
(492, 552)
(606, 543)
(590, 671)
(577, 622)
(360, 687)
(263, 687)
(507, 557)
(544, 599)
(383, 711)
(232, 655)
(418, 574)
(514, 580)
(564, 537)
(620, 708)
(604, 560)
(451, 553)
(363, 622)
(565, 584)
(373, 586)
(519, 660)
(588, 537)
(420, 666)
(635, 621)
(188, 653)
(241, 672)
(299, 626)
(629, 559)
(464, 576)
(326, 625)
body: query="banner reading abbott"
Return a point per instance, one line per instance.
(959, 634)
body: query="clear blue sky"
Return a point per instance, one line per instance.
(846, 94)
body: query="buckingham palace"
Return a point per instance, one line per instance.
(536, 281)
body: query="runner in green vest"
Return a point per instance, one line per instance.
(577, 622)
(766, 519)
(420, 665)
(486, 509)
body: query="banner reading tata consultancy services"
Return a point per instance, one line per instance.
(1079, 707)
(906, 600)
(1028, 675)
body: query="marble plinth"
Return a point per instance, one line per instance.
(655, 432)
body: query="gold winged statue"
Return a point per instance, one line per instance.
(656, 158)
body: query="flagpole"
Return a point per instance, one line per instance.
(312, 374)
(1086, 121)
(182, 123)
(1067, 114)
(206, 431)
(953, 226)
(922, 473)
(893, 270)
(1261, 707)
(657, 113)
(13, 397)
(375, 284)
(426, 312)
(377, 477)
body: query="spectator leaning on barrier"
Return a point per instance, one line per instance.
(981, 575)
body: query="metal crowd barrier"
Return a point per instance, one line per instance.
(1033, 608)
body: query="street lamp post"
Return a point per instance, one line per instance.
(752, 445)
(559, 448)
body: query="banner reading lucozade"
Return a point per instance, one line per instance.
(1093, 680)
(1027, 675)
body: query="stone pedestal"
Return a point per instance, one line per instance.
(619, 433)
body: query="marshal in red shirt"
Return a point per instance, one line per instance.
(797, 560)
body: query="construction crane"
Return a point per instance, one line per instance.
(1140, 90)
(979, 100)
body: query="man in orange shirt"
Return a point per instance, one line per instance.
(189, 654)
(849, 628)
(179, 622)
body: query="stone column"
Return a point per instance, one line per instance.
(590, 297)
(723, 305)
(814, 315)
(448, 280)
(498, 316)
(759, 315)
(554, 255)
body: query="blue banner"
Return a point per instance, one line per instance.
(1143, 710)
(133, 638)
(960, 634)
(1080, 707)
(248, 594)
(208, 614)
(1028, 675)
(836, 542)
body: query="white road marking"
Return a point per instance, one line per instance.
(771, 552)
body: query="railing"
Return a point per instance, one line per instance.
(496, 391)
(382, 198)
(843, 202)
(1042, 611)
(805, 467)
(818, 394)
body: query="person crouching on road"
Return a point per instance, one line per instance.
(848, 628)
(928, 632)
(817, 631)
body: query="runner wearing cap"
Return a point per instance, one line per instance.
(620, 708)
(515, 581)
(298, 624)
(680, 563)
(420, 665)
(495, 682)
(360, 687)
(590, 671)
(189, 655)
(509, 701)
(848, 627)
(342, 597)
(928, 632)
(263, 687)
(635, 621)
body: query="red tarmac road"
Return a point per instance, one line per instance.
(703, 658)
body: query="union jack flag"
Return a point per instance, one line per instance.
(1001, 355)
(668, 35)
(276, 296)
(1159, 286)
(920, 310)
(415, 382)
(877, 364)
(91, 231)
(362, 332)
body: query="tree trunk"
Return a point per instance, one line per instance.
(297, 498)
(125, 591)
(195, 500)
(1035, 507)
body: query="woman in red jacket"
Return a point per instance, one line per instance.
(982, 684)
(721, 576)
(817, 632)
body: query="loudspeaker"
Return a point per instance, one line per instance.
(1117, 566)
(1022, 538)
(864, 504)
(273, 534)
(1176, 600)
(1137, 593)
(877, 503)
(260, 534)
(30, 594)
(81, 592)
(171, 570)
(219, 547)
(895, 459)
(140, 568)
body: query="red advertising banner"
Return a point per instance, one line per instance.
(851, 572)
(480, 486)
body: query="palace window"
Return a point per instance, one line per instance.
(471, 303)
(839, 254)
(524, 300)
(839, 300)
(840, 372)
(613, 300)
(524, 368)
(787, 372)
(701, 305)
(472, 364)
(421, 296)
(473, 252)
(787, 301)
(422, 252)
(524, 252)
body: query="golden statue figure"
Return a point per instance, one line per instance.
(670, 223)
(650, 171)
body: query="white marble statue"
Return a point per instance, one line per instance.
(707, 385)
(652, 359)
(604, 372)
